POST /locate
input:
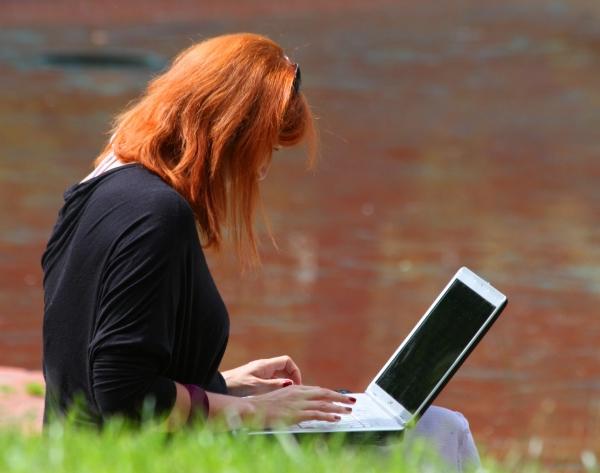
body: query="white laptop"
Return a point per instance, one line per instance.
(423, 363)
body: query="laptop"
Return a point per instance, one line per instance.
(423, 363)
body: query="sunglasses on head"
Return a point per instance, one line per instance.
(297, 79)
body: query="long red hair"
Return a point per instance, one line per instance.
(209, 123)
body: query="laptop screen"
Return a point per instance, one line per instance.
(435, 345)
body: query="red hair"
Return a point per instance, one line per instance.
(210, 122)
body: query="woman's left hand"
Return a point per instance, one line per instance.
(262, 376)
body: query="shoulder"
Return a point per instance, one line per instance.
(134, 205)
(134, 192)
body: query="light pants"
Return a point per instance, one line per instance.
(449, 435)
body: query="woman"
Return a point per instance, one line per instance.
(132, 314)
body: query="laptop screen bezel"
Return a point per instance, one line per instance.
(480, 287)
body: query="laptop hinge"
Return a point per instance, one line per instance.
(396, 416)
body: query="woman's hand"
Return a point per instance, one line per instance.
(296, 404)
(262, 376)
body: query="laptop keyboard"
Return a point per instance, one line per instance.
(365, 415)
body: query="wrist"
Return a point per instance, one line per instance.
(247, 408)
(199, 403)
(231, 381)
(233, 411)
(228, 375)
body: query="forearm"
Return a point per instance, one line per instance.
(221, 406)
(181, 409)
(284, 406)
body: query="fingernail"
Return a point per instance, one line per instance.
(352, 399)
(337, 417)
(286, 384)
(348, 409)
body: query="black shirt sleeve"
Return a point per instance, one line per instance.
(130, 305)
(217, 384)
(134, 332)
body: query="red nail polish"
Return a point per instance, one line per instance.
(348, 409)
(352, 399)
(337, 417)
(286, 384)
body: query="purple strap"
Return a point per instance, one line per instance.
(199, 403)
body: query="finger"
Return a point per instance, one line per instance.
(324, 394)
(317, 415)
(284, 366)
(325, 406)
(268, 385)
(282, 374)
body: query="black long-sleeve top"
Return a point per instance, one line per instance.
(129, 302)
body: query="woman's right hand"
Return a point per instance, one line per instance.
(297, 403)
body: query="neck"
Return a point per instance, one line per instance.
(110, 161)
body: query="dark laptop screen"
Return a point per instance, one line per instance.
(434, 347)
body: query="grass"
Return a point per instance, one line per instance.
(6, 389)
(66, 449)
(35, 389)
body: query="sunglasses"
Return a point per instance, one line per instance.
(297, 79)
